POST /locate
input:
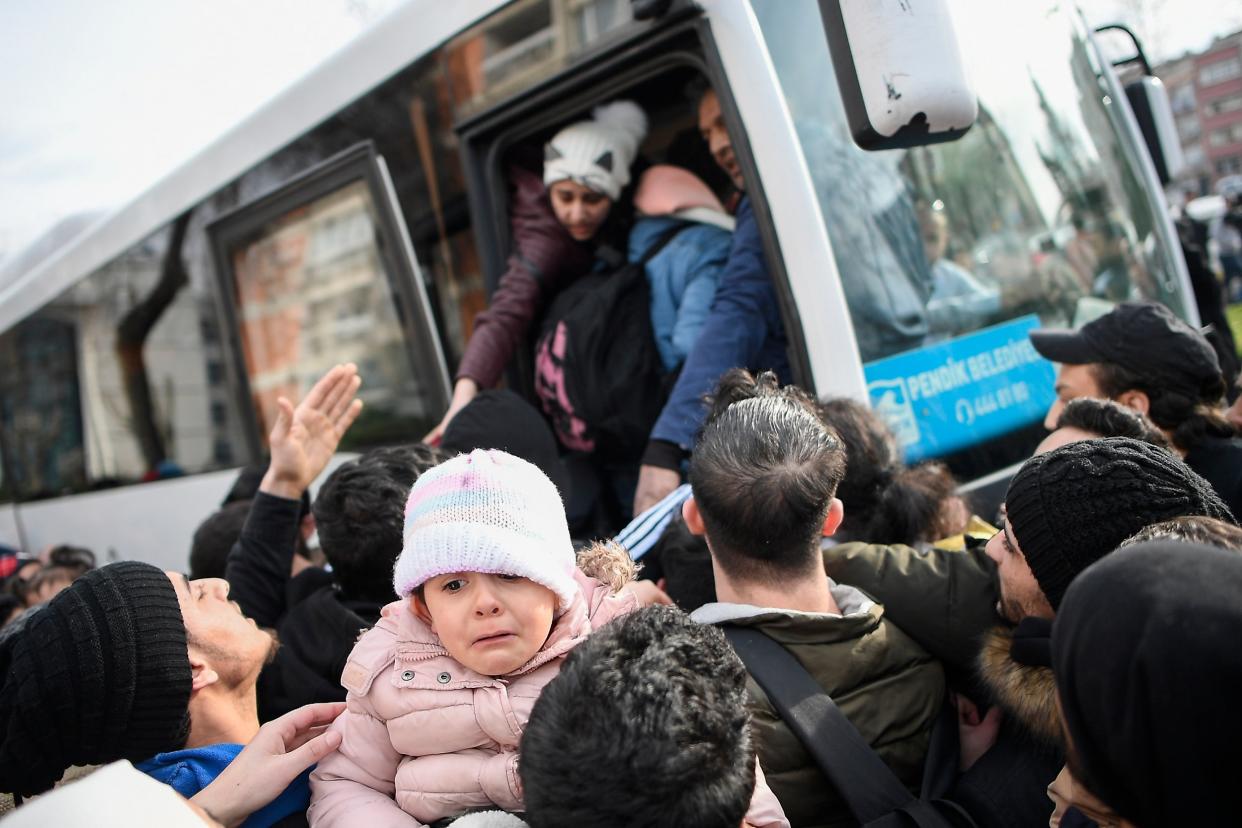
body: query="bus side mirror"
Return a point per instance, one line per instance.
(1149, 100)
(901, 73)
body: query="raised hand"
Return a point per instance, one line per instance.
(304, 438)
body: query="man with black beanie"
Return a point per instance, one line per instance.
(1066, 509)
(130, 662)
(82, 686)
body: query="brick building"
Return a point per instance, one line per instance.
(1206, 93)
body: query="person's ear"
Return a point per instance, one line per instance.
(836, 514)
(1136, 400)
(201, 674)
(693, 518)
(419, 607)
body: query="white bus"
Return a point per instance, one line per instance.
(361, 216)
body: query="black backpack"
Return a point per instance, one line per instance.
(598, 373)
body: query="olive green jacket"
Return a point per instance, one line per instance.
(944, 599)
(884, 683)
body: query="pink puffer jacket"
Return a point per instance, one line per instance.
(424, 736)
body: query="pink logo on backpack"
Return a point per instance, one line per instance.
(570, 429)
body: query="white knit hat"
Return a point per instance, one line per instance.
(597, 153)
(486, 511)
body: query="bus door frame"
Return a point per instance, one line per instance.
(822, 346)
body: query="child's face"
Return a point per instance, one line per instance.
(492, 624)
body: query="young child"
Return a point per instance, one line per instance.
(441, 688)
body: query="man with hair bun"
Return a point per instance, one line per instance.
(764, 477)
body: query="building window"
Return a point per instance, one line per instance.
(1188, 129)
(1229, 103)
(1221, 70)
(1225, 166)
(1183, 99)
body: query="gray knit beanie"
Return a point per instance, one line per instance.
(1072, 506)
(101, 673)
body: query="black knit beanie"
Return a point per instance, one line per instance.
(1144, 650)
(101, 673)
(500, 419)
(1072, 506)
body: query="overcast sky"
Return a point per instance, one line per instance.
(100, 99)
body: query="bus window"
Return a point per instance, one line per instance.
(110, 383)
(313, 270)
(1038, 216)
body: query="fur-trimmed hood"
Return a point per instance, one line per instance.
(1027, 694)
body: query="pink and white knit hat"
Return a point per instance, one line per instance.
(486, 511)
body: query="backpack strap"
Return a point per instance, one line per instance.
(874, 794)
(662, 241)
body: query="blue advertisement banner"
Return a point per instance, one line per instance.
(953, 394)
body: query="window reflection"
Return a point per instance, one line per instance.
(1038, 205)
(525, 43)
(111, 382)
(311, 293)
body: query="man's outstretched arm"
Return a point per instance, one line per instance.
(302, 442)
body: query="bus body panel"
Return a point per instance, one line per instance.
(153, 522)
(122, 524)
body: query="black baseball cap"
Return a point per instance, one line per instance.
(1145, 338)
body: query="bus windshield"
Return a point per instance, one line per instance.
(1037, 216)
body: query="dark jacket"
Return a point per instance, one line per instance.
(743, 329)
(1219, 461)
(945, 600)
(1209, 296)
(544, 259)
(885, 684)
(316, 624)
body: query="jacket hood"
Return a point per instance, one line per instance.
(664, 189)
(1027, 693)
(858, 614)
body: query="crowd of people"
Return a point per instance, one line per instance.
(805, 632)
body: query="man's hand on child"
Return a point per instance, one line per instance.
(278, 753)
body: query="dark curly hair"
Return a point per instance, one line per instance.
(872, 460)
(214, 538)
(646, 724)
(911, 508)
(360, 513)
(1191, 529)
(1106, 418)
(1189, 421)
